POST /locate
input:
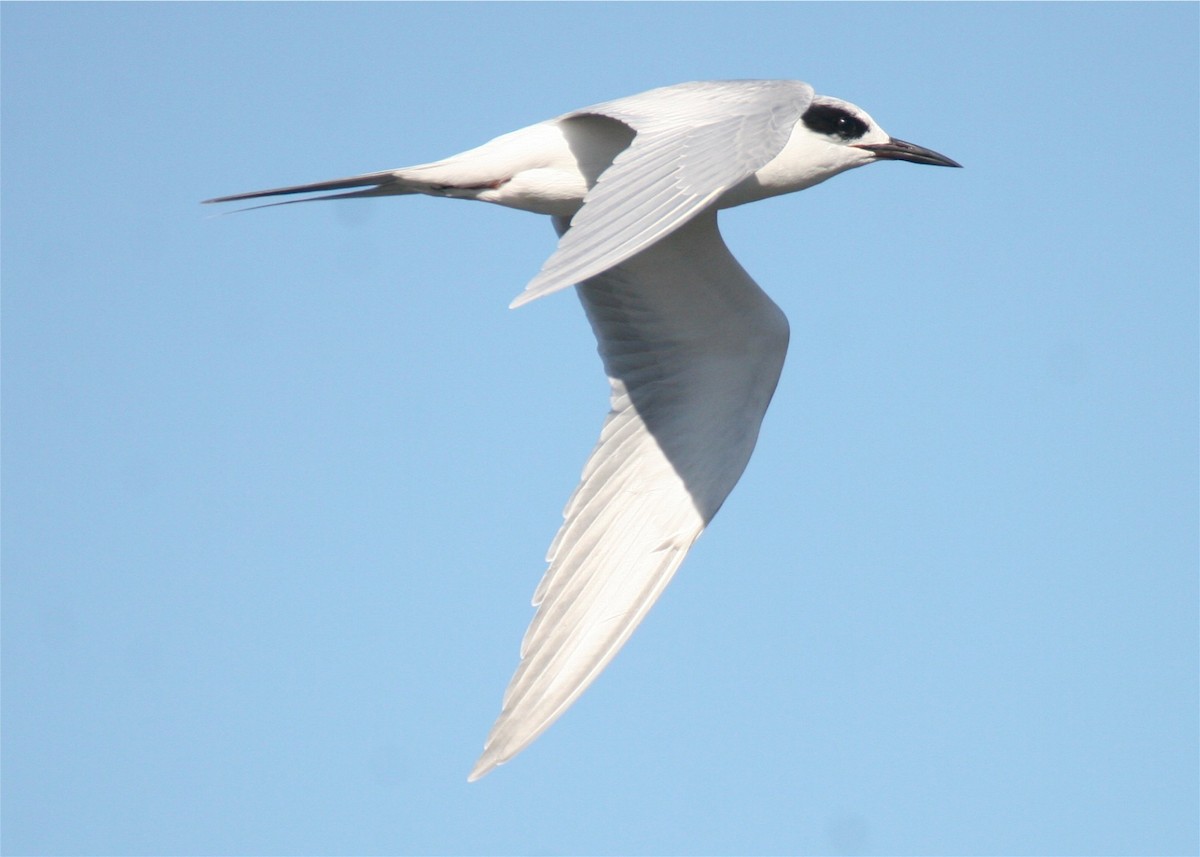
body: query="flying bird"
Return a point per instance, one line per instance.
(691, 345)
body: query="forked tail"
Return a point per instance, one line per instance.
(386, 183)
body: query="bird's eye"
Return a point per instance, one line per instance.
(834, 121)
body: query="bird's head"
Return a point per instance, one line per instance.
(832, 136)
(835, 135)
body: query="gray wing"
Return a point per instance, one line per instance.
(693, 142)
(693, 350)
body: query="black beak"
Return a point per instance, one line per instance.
(898, 150)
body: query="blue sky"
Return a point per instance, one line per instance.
(277, 485)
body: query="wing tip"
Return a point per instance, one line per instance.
(487, 763)
(520, 300)
(531, 294)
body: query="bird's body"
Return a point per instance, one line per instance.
(692, 346)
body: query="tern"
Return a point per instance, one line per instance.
(692, 347)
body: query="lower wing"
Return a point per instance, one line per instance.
(693, 349)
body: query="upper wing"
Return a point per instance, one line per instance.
(693, 142)
(693, 350)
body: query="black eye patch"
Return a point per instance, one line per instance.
(834, 121)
